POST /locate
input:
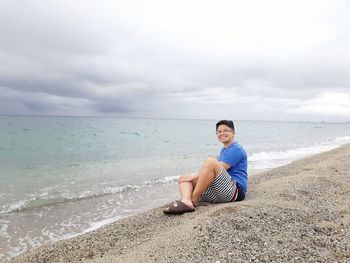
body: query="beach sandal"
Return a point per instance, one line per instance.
(178, 207)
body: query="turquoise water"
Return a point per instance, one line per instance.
(62, 176)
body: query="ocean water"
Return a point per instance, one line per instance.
(64, 176)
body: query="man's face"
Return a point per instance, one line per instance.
(225, 134)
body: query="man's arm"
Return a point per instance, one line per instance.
(225, 165)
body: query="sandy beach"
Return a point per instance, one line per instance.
(299, 212)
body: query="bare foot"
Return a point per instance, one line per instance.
(194, 202)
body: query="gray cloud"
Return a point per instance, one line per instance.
(93, 58)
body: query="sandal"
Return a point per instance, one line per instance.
(178, 207)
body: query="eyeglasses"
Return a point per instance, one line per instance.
(223, 131)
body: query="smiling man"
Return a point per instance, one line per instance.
(220, 180)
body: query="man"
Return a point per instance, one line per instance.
(220, 180)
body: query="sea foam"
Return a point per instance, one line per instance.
(271, 159)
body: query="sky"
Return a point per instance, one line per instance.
(241, 60)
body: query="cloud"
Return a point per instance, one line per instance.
(42, 103)
(327, 103)
(175, 59)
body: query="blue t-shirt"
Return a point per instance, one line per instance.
(235, 156)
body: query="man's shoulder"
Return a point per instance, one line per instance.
(237, 147)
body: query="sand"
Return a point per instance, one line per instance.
(299, 212)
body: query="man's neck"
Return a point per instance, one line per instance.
(228, 144)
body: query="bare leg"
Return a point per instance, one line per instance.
(210, 169)
(186, 190)
(191, 191)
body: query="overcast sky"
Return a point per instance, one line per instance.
(257, 60)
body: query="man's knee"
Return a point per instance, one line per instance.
(212, 162)
(215, 165)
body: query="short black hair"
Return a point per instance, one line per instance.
(225, 122)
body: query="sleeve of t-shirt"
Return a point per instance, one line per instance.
(232, 157)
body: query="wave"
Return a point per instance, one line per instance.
(45, 200)
(272, 159)
(168, 179)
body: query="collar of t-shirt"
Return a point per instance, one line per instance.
(230, 145)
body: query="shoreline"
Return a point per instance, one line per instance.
(306, 212)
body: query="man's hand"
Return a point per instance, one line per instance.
(187, 178)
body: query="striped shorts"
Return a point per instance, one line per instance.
(222, 190)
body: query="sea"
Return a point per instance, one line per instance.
(64, 176)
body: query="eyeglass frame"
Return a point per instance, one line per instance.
(224, 131)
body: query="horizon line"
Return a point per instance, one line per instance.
(159, 118)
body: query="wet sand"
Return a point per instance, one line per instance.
(299, 212)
